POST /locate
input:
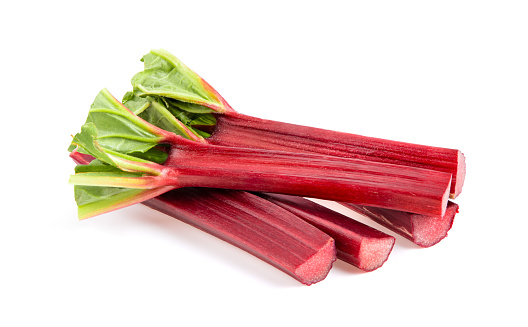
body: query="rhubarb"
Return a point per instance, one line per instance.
(422, 230)
(125, 144)
(168, 82)
(357, 243)
(176, 132)
(268, 232)
(251, 223)
(235, 129)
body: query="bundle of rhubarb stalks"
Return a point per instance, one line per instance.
(175, 145)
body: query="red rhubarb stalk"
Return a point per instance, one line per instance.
(424, 231)
(196, 164)
(234, 129)
(357, 243)
(167, 80)
(325, 177)
(251, 223)
(255, 225)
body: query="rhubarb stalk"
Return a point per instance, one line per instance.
(235, 129)
(267, 231)
(253, 224)
(229, 128)
(115, 136)
(167, 81)
(357, 243)
(424, 231)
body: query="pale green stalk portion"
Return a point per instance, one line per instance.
(133, 164)
(111, 180)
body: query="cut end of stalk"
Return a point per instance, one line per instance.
(374, 252)
(428, 231)
(422, 230)
(317, 267)
(357, 243)
(460, 176)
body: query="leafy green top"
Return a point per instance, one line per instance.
(166, 76)
(166, 114)
(127, 158)
(168, 99)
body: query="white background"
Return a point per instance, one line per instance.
(445, 73)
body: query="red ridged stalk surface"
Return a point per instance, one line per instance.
(363, 182)
(424, 231)
(255, 225)
(357, 243)
(234, 129)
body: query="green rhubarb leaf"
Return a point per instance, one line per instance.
(135, 103)
(155, 155)
(118, 129)
(158, 112)
(166, 76)
(202, 133)
(160, 116)
(96, 165)
(188, 107)
(124, 145)
(94, 200)
(86, 141)
(116, 136)
(154, 91)
(97, 199)
(126, 168)
(204, 120)
(89, 194)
